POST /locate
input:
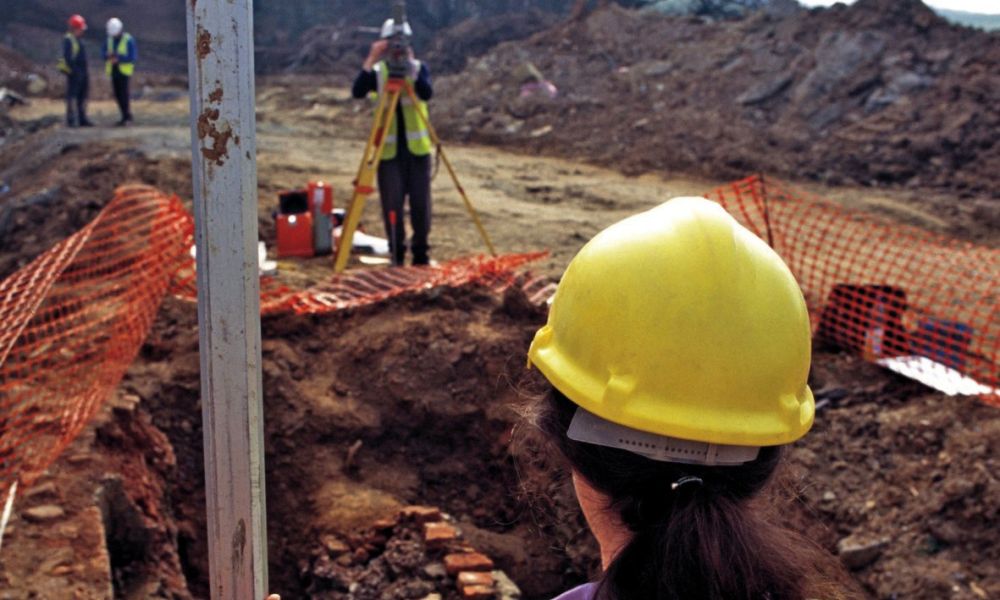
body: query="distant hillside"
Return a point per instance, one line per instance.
(317, 35)
(977, 20)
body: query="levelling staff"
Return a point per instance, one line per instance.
(119, 64)
(74, 65)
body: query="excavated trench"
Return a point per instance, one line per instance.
(412, 402)
(408, 402)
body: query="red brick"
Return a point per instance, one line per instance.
(478, 592)
(384, 524)
(334, 545)
(470, 561)
(437, 535)
(421, 514)
(480, 578)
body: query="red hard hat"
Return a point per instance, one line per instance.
(77, 22)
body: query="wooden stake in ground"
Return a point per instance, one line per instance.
(223, 146)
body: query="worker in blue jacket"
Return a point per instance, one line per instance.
(74, 65)
(119, 64)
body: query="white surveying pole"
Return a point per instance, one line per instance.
(223, 147)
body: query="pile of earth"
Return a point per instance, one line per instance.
(881, 92)
(338, 49)
(55, 187)
(20, 74)
(906, 479)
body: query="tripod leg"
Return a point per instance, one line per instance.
(451, 171)
(364, 182)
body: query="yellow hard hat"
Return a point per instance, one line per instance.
(680, 322)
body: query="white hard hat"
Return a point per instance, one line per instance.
(115, 26)
(389, 28)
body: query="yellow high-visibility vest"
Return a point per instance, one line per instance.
(61, 64)
(418, 138)
(126, 68)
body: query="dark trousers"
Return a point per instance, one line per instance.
(406, 176)
(119, 84)
(77, 89)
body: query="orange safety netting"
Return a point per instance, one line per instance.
(368, 286)
(921, 304)
(73, 320)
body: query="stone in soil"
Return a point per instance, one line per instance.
(857, 553)
(43, 514)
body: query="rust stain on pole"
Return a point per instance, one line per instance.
(220, 139)
(215, 96)
(203, 46)
(239, 545)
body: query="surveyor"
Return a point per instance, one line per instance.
(74, 64)
(405, 165)
(677, 350)
(119, 64)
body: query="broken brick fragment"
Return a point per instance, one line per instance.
(385, 524)
(334, 545)
(421, 514)
(475, 578)
(469, 561)
(437, 535)
(478, 592)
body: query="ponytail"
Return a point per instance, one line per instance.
(695, 535)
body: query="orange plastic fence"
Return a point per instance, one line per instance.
(359, 287)
(73, 320)
(916, 302)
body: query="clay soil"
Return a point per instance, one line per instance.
(413, 401)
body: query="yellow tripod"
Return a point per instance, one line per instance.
(364, 183)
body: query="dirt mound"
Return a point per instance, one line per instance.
(881, 92)
(58, 187)
(335, 49)
(339, 49)
(18, 73)
(452, 48)
(907, 474)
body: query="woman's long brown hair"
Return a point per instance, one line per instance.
(696, 542)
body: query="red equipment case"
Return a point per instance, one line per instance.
(295, 235)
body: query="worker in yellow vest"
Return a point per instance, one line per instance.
(73, 64)
(119, 63)
(405, 167)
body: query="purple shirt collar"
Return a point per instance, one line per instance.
(583, 592)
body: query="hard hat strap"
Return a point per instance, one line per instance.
(589, 428)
